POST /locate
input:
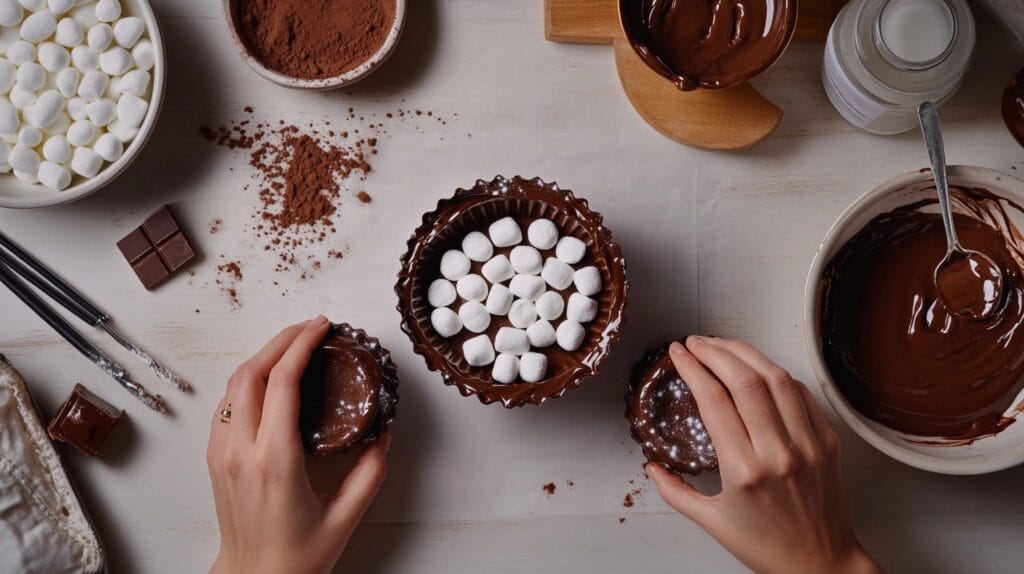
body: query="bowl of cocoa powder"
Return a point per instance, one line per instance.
(315, 44)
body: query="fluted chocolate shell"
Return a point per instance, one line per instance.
(474, 210)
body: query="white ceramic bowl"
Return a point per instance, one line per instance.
(321, 84)
(15, 193)
(986, 454)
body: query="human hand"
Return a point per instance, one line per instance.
(782, 507)
(270, 518)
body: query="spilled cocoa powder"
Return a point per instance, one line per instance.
(549, 488)
(315, 39)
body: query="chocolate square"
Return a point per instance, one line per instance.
(84, 421)
(157, 249)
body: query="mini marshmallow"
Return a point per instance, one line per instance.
(506, 368)
(570, 250)
(522, 314)
(472, 287)
(136, 83)
(499, 300)
(476, 245)
(21, 98)
(542, 234)
(54, 176)
(557, 273)
(38, 27)
(54, 57)
(570, 335)
(116, 61)
(474, 316)
(70, 33)
(45, 109)
(8, 118)
(100, 37)
(144, 55)
(67, 82)
(526, 260)
(60, 6)
(10, 13)
(527, 287)
(587, 280)
(498, 269)
(127, 31)
(77, 109)
(30, 136)
(85, 59)
(57, 150)
(550, 306)
(12, 139)
(454, 263)
(24, 159)
(541, 334)
(440, 293)
(94, 83)
(81, 133)
(445, 321)
(101, 112)
(58, 126)
(31, 77)
(478, 351)
(113, 91)
(512, 341)
(108, 10)
(5, 154)
(123, 131)
(533, 367)
(109, 147)
(85, 15)
(33, 5)
(581, 309)
(21, 52)
(505, 232)
(86, 162)
(8, 36)
(8, 75)
(29, 178)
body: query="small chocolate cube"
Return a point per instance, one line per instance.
(84, 421)
(157, 249)
(151, 270)
(135, 246)
(176, 252)
(160, 226)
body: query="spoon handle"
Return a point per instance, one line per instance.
(937, 154)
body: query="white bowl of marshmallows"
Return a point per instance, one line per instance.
(81, 84)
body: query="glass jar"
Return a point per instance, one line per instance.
(884, 57)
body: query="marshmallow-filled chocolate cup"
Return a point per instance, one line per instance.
(349, 392)
(704, 44)
(664, 419)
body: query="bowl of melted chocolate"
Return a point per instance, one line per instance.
(702, 44)
(349, 392)
(929, 386)
(513, 291)
(664, 419)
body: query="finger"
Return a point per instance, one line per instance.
(750, 393)
(783, 388)
(716, 408)
(681, 495)
(360, 487)
(281, 405)
(824, 431)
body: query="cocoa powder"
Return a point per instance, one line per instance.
(314, 39)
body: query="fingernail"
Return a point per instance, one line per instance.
(696, 340)
(320, 320)
(675, 348)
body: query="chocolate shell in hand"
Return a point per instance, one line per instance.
(475, 209)
(664, 419)
(349, 392)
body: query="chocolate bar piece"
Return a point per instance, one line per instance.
(157, 249)
(84, 421)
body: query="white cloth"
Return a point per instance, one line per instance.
(43, 528)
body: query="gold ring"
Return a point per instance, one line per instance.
(225, 415)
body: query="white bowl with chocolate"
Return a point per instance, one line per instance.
(315, 44)
(917, 381)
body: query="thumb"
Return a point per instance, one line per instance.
(681, 495)
(360, 487)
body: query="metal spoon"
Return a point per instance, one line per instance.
(969, 282)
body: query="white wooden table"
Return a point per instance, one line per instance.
(716, 243)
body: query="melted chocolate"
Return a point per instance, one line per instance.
(348, 392)
(705, 43)
(897, 352)
(664, 418)
(474, 210)
(1013, 107)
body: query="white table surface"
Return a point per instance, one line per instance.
(716, 243)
